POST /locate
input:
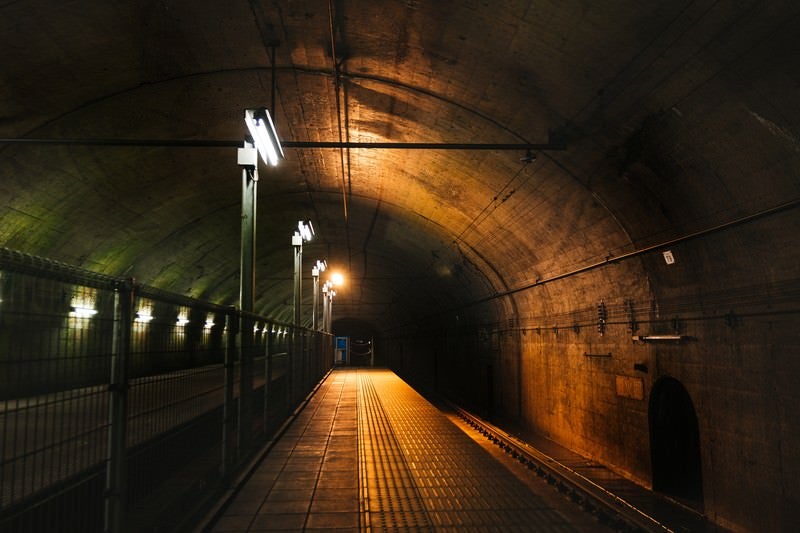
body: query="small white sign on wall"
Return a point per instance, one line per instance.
(668, 257)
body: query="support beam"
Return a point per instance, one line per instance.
(222, 143)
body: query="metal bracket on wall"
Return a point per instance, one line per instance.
(602, 317)
(633, 325)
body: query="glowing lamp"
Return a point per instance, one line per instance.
(262, 130)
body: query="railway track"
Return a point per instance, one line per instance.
(609, 508)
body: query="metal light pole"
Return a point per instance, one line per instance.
(325, 289)
(329, 308)
(262, 140)
(315, 302)
(297, 244)
(315, 272)
(304, 232)
(336, 280)
(247, 266)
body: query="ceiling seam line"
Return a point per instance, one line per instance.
(337, 90)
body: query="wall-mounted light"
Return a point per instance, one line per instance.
(660, 338)
(79, 311)
(209, 323)
(182, 320)
(262, 130)
(144, 315)
(82, 305)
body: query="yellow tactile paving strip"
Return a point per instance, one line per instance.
(444, 480)
(389, 494)
(369, 453)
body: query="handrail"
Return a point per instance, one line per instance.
(24, 263)
(21, 262)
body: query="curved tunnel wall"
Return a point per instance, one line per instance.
(676, 118)
(575, 373)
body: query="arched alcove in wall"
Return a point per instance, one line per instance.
(675, 443)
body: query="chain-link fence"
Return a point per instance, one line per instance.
(123, 407)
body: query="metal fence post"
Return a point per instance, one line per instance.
(116, 478)
(228, 408)
(245, 383)
(267, 374)
(291, 366)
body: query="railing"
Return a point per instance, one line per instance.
(123, 407)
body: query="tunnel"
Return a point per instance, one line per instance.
(575, 218)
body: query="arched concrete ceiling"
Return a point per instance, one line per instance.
(676, 117)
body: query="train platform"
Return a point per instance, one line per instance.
(369, 453)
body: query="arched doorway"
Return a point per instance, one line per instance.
(675, 443)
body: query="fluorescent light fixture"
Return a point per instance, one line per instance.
(318, 267)
(264, 135)
(82, 312)
(306, 229)
(660, 338)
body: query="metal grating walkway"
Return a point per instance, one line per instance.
(368, 453)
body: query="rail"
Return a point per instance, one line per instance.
(608, 507)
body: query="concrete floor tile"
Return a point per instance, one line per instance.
(290, 482)
(303, 466)
(290, 495)
(342, 505)
(333, 520)
(336, 494)
(272, 522)
(284, 507)
(350, 482)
